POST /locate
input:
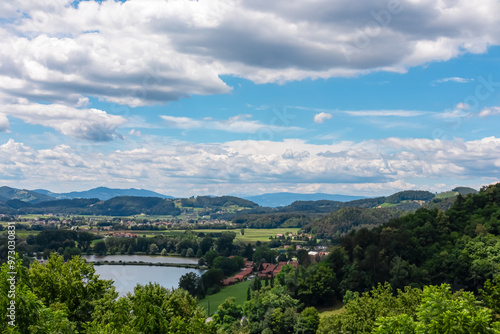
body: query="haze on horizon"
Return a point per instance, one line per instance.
(249, 97)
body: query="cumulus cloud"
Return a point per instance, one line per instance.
(321, 117)
(490, 111)
(147, 52)
(236, 124)
(89, 124)
(371, 166)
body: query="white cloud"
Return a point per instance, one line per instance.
(236, 124)
(321, 117)
(385, 113)
(182, 168)
(458, 112)
(490, 111)
(454, 79)
(4, 123)
(146, 52)
(367, 113)
(134, 132)
(89, 124)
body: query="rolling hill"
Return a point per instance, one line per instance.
(7, 194)
(102, 193)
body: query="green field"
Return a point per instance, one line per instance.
(251, 235)
(447, 194)
(238, 291)
(255, 234)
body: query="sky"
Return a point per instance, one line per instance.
(249, 96)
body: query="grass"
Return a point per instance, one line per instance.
(447, 194)
(387, 205)
(238, 291)
(23, 234)
(338, 308)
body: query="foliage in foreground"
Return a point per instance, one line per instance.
(432, 310)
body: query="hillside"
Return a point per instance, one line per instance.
(7, 193)
(102, 193)
(340, 222)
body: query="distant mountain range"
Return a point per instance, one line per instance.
(263, 210)
(275, 200)
(7, 193)
(102, 193)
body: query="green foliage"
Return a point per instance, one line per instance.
(191, 283)
(151, 309)
(73, 284)
(308, 321)
(32, 316)
(491, 294)
(342, 221)
(317, 288)
(362, 311)
(227, 313)
(441, 312)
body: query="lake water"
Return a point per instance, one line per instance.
(144, 258)
(126, 277)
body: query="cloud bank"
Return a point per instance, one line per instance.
(386, 165)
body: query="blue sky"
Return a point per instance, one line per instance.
(246, 97)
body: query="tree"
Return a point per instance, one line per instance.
(189, 282)
(156, 309)
(227, 313)
(190, 252)
(442, 312)
(210, 257)
(73, 284)
(153, 249)
(31, 315)
(226, 264)
(256, 283)
(308, 321)
(212, 277)
(225, 243)
(100, 248)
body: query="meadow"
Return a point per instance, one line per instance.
(238, 291)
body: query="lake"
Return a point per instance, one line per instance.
(126, 277)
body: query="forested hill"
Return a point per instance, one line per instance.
(459, 247)
(342, 221)
(121, 205)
